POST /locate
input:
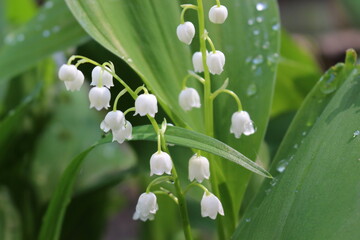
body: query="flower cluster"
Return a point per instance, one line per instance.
(100, 96)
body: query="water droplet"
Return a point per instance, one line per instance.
(261, 6)
(46, 33)
(49, 4)
(303, 133)
(267, 191)
(356, 133)
(328, 82)
(20, 37)
(55, 29)
(259, 19)
(273, 182)
(256, 32)
(251, 21)
(296, 146)
(247, 219)
(273, 58)
(129, 60)
(266, 45)
(276, 27)
(281, 166)
(251, 90)
(248, 59)
(258, 59)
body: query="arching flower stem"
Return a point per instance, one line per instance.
(194, 75)
(185, 8)
(231, 93)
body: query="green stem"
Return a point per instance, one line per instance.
(231, 93)
(195, 184)
(129, 110)
(185, 8)
(181, 196)
(218, 3)
(212, 46)
(208, 111)
(122, 92)
(158, 181)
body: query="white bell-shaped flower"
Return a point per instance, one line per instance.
(75, 84)
(211, 206)
(100, 73)
(99, 98)
(125, 132)
(146, 207)
(160, 163)
(67, 72)
(114, 120)
(241, 124)
(186, 32)
(215, 62)
(189, 98)
(217, 14)
(199, 168)
(146, 104)
(197, 62)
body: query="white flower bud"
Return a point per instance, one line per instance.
(67, 72)
(197, 62)
(146, 104)
(99, 98)
(215, 62)
(114, 120)
(199, 168)
(211, 206)
(189, 98)
(218, 14)
(125, 132)
(75, 84)
(99, 73)
(241, 124)
(160, 163)
(146, 207)
(186, 32)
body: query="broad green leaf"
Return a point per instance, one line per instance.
(51, 30)
(54, 216)
(19, 11)
(10, 223)
(314, 193)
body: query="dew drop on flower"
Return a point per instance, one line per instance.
(261, 6)
(281, 166)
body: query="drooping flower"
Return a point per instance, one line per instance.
(241, 124)
(189, 98)
(68, 72)
(146, 207)
(198, 62)
(100, 73)
(114, 120)
(215, 62)
(125, 132)
(211, 206)
(160, 163)
(199, 168)
(186, 32)
(217, 14)
(75, 84)
(99, 98)
(146, 104)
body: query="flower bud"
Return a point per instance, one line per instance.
(211, 206)
(198, 168)
(125, 132)
(99, 98)
(217, 14)
(75, 84)
(114, 120)
(100, 73)
(146, 104)
(241, 124)
(186, 32)
(197, 62)
(160, 163)
(67, 72)
(215, 62)
(146, 207)
(189, 98)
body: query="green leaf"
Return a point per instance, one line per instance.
(53, 29)
(316, 181)
(10, 223)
